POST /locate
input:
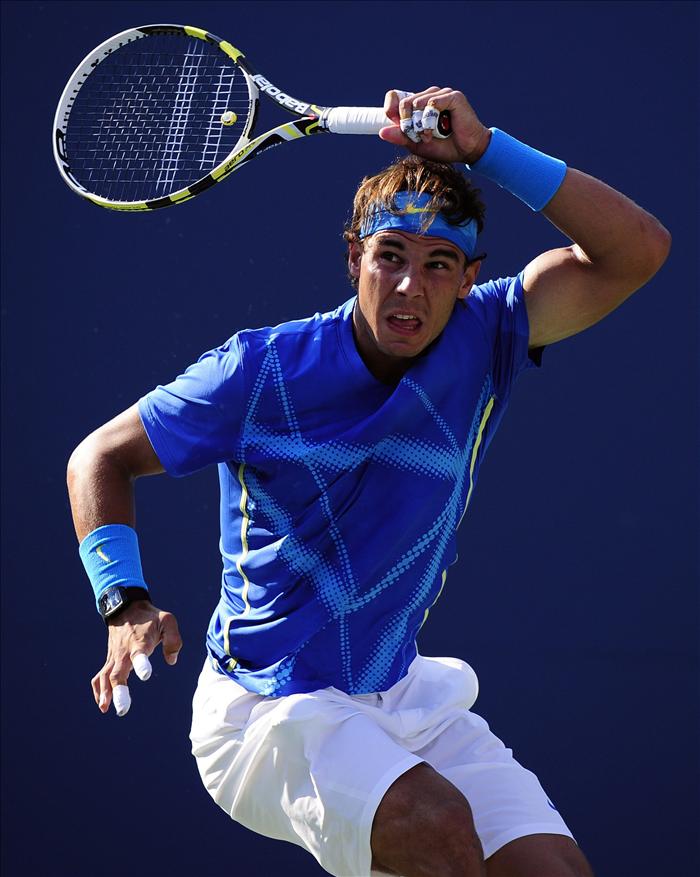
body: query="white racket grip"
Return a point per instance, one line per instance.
(355, 120)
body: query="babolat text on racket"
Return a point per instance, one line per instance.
(157, 114)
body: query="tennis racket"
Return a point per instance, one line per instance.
(157, 114)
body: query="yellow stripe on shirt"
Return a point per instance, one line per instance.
(245, 521)
(475, 450)
(242, 557)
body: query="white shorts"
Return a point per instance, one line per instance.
(312, 768)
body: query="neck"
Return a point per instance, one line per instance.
(387, 369)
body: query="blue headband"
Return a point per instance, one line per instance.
(413, 221)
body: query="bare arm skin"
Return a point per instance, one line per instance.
(102, 470)
(617, 247)
(101, 475)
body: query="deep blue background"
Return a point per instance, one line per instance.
(575, 597)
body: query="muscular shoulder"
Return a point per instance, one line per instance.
(495, 293)
(291, 333)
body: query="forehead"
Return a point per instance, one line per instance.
(421, 244)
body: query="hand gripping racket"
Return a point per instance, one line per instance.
(157, 114)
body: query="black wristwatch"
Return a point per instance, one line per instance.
(116, 598)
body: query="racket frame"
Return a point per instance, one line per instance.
(310, 121)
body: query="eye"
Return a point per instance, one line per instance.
(438, 263)
(389, 256)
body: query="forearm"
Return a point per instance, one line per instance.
(610, 231)
(617, 246)
(612, 234)
(100, 490)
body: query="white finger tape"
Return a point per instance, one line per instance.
(142, 666)
(417, 120)
(430, 118)
(403, 94)
(406, 126)
(121, 699)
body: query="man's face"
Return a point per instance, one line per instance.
(407, 288)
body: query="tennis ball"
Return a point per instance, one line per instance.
(228, 118)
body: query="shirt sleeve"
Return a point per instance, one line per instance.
(500, 307)
(195, 420)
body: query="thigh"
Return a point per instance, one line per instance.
(424, 826)
(309, 769)
(537, 855)
(507, 800)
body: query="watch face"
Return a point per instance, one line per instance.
(111, 600)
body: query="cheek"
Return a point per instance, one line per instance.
(442, 314)
(371, 285)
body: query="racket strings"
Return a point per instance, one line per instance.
(221, 103)
(148, 123)
(182, 105)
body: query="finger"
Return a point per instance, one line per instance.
(406, 126)
(391, 103)
(101, 689)
(421, 99)
(172, 641)
(120, 670)
(406, 106)
(142, 666)
(122, 699)
(430, 118)
(419, 117)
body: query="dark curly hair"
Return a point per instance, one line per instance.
(450, 192)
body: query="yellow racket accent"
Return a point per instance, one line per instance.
(196, 32)
(230, 50)
(181, 196)
(103, 202)
(293, 133)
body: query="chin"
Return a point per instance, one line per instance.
(403, 351)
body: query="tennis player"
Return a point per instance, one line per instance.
(348, 446)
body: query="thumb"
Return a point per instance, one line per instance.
(170, 637)
(394, 134)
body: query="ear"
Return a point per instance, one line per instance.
(471, 272)
(354, 258)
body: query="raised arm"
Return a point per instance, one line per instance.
(617, 246)
(101, 475)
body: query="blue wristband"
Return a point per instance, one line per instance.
(110, 555)
(525, 172)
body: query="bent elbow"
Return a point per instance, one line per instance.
(666, 241)
(78, 461)
(89, 456)
(659, 247)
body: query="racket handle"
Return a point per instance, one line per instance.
(369, 120)
(355, 120)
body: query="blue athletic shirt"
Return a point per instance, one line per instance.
(340, 495)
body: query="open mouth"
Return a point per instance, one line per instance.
(404, 324)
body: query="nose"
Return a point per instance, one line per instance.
(410, 283)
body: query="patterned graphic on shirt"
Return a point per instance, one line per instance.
(420, 568)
